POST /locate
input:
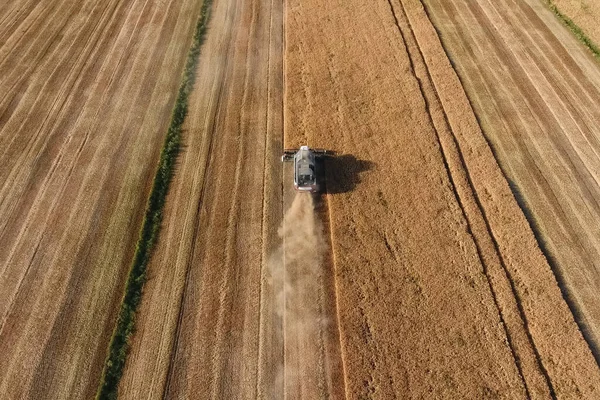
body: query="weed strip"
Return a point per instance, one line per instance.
(577, 31)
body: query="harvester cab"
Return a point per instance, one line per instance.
(306, 169)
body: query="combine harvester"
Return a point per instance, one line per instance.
(306, 169)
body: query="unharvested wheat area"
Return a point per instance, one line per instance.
(451, 251)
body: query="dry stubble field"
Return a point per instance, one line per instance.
(207, 301)
(431, 284)
(536, 91)
(86, 92)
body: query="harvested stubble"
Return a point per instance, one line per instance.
(87, 89)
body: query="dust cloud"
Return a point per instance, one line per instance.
(296, 270)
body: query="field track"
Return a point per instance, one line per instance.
(83, 114)
(537, 98)
(434, 285)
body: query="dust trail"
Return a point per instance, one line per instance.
(296, 271)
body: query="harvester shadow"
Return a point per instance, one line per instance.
(343, 173)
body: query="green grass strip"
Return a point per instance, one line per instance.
(577, 31)
(119, 344)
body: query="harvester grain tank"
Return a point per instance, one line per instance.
(306, 168)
